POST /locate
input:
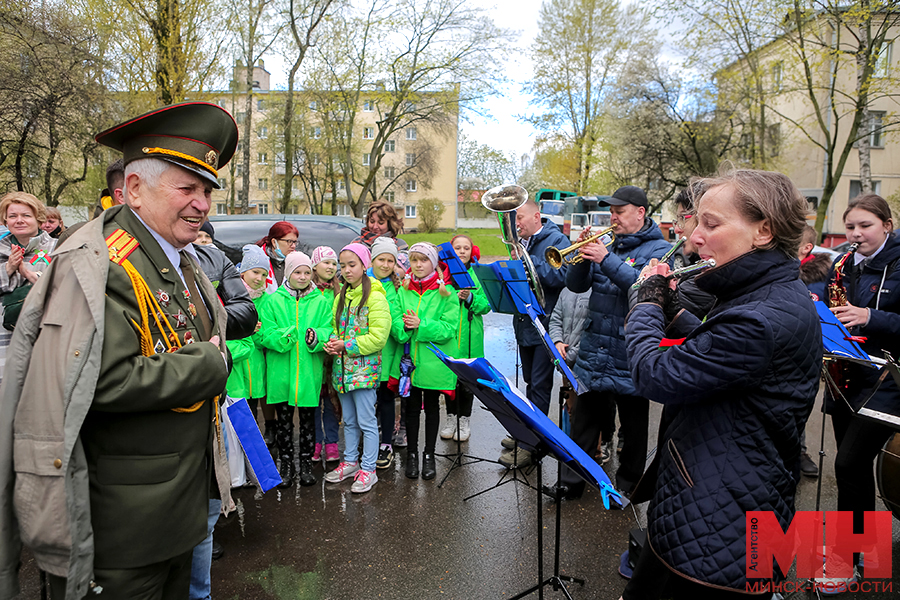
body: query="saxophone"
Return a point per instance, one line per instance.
(837, 296)
(837, 291)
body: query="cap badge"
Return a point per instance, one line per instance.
(212, 158)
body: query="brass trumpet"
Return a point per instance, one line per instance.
(556, 258)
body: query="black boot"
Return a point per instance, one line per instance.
(306, 472)
(412, 464)
(287, 473)
(269, 434)
(428, 470)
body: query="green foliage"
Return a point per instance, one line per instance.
(482, 164)
(430, 211)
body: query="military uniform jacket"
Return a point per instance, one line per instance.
(96, 468)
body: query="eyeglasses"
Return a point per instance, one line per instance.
(681, 220)
(291, 243)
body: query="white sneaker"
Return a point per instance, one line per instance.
(449, 427)
(363, 482)
(344, 470)
(831, 586)
(463, 434)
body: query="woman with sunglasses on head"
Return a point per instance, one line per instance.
(737, 389)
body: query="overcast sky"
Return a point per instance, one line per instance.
(503, 129)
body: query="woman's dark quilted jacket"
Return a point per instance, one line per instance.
(741, 387)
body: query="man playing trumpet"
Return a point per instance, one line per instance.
(602, 363)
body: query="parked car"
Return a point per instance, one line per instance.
(233, 232)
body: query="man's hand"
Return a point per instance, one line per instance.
(562, 349)
(214, 340)
(594, 252)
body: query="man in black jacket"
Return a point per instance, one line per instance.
(537, 235)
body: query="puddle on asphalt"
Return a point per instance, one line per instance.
(286, 583)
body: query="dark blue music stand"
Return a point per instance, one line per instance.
(534, 429)
(458, 272)
(506, 286)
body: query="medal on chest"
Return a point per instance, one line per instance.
(191, 308)
(163, 298)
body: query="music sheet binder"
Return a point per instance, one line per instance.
(506, 286)
(456, 267)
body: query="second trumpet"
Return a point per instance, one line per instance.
(556, 257)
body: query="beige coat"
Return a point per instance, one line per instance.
(49, 387)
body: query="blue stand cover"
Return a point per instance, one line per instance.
(457, 268)
(506, 286)
(834, 338)
(254, 446)
(526, 423)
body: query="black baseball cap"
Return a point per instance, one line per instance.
(198, 136)
(628, 194)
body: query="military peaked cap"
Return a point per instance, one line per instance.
(198, 136)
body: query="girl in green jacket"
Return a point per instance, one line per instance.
(473, 305)
(362, 323)
(296, 324)
(384, 260)
(328, 419)
(248, 373)
(430, 316)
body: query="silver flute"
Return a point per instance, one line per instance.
(679, 273)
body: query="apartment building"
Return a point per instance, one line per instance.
(789, 112)
(418, 162)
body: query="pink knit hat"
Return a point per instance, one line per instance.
(295, 260)
(323, 253)
(361, 251)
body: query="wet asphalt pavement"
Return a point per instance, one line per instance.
(410, 539)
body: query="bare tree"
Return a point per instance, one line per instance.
(254, 34)
(50, 99)
(304, 18)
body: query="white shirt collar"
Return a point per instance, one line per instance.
(528, 240)
(171, 252)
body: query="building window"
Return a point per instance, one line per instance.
(263, 133)
(856, 188)
(263, 158)
(777, 76)
(368, 133)
(883, 63)
(390, 146)
(389, 197)
(368, 106)
(410, 159)
(409, 211)
(317, 132)
(260, 105)
(411, 185)
(313, 105)
(340, 185)
(222, 182)
(262, 208)
(389, 172)
(239, 169)
(410, 107)
(315, 159)
(367, 159)
(221, 208)
(239, 118)
(410, 133)
(262, 184)
(876, 123)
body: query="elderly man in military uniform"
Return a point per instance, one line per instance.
(108, 429)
